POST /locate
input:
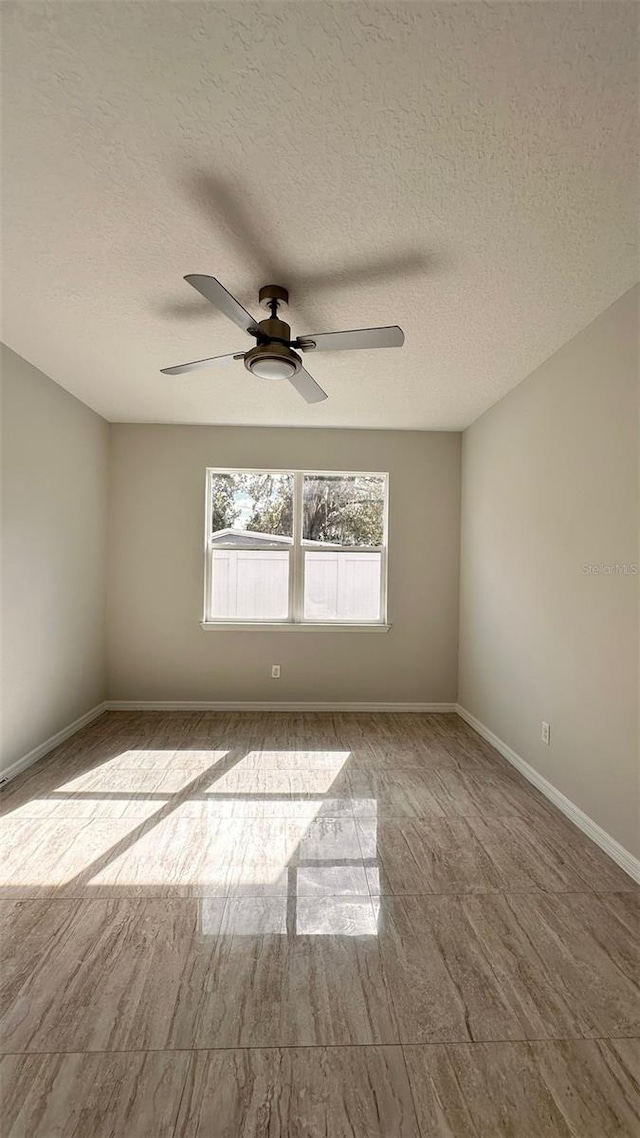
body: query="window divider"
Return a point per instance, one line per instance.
(296, 579)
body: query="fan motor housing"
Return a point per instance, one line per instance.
(274, 329)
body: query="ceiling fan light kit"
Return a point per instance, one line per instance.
(273, 356)
(273, 362)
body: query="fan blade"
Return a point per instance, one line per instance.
(307, 387)
(217, 295)
(360, 338)
(180, 369)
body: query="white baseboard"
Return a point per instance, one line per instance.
(616, 852)
(48, 745)
(248, 705)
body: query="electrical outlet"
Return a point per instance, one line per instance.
(275, 671)
(545, 734)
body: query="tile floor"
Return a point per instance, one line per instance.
(290, 926)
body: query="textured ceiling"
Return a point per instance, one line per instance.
(465, 170)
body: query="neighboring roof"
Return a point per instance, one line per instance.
(235, 537)
(248, 537)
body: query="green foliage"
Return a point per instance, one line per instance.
(272, 497)
(341, 510)
(224, 512)
(344, 510)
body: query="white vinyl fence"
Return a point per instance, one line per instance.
(253, 584)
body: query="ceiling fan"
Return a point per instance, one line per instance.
(272, 356)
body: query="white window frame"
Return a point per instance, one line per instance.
(296, 621)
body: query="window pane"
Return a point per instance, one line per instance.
(344, 509)
(342, 586)
(245, 504)
(249, 584)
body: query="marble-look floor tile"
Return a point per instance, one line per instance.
(123, 794)
(595, 974)
(195, 761)
(325, 840)
(185, 849)
(226, 880)
(534, 854)
(108, 781)
(127, 781)
(104, 975)
(310, 915)
(44, 857)
(597, 870)
(443, 986)
(381, 758)
(329, 760)
(471, 752)
(333, 880)
(344, 916)
(498, 966)
(384, 795)
(346, 1092)
(132, 753)
(94, 975)
(626, 907)
(25, 802)
(33, 786)
(613, 922)
(543, 951)
(474, 854)
(193, 853)
(132, 1095)
(571, 1089)
(98, 807)
(293, 973)
(279, 794)
(273, 857)
(436, 855)
(492, 793)
(305, 808)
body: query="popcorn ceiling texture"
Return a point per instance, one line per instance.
(465, 170)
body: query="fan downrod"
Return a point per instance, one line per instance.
(272, 297)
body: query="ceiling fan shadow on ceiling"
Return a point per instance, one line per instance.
(273, 355)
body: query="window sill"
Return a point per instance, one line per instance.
(308, 626)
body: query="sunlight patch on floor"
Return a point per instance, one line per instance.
(263, 832)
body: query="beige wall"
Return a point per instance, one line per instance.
(550, 484)
(156, 648)
(54, 498)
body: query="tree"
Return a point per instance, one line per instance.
(346, 510)
(342, 510)
(224, 512)
(337, 509)
(272, 496)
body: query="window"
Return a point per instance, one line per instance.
(291, 548)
